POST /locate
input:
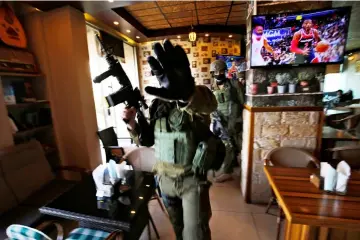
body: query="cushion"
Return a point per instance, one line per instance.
(47, 193)
(27, 216)
(87, 234)
(7, 199)
(25, 168)
(17, 231)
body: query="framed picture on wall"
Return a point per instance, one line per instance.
(187, 50)
(193, 44)
(204, 54)
(196, 75)
(146, 54)
(206, 60)
(224, 51)
(230, 43)
(193, 64)
(213, 53)
(195, 54)
(206, 81)
(144, 62)
(204, 69)
(207, 39)
(204, 48)
(357, 66)
(215, 43)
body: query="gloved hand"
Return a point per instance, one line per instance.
(172, 69)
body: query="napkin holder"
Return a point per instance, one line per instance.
(317, 180)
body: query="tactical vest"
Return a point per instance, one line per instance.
(175, 143)
(185, 146)
(223, 97)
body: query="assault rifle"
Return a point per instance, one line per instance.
(222, 123)
(126, 94)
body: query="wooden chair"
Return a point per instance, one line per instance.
(351, 123)
(350, 154)
(143, 159)
(109, 140)
(287, 157)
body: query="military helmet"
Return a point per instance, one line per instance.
(218, 65)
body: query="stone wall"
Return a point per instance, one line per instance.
(272, 130)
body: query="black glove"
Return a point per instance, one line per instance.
(172, 69)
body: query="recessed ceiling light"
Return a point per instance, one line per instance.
(116, 22)
(128, 31)
(206, 35)
(179, 36)
(230, 36)
(137, 37)
(110, 0)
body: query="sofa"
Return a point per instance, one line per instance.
(27, 182)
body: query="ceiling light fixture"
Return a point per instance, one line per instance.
(179, 36)
(111, 0)
(137, 37)
(230, 36)
(206, 35)
(128, 31)
(351, 58)
(116, 22)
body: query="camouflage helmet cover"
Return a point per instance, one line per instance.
(217, 66)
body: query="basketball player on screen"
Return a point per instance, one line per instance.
(258, 41)
(303, 43)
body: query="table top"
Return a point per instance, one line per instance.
(81, 204)
(303, 203)
(337, 112)
(337, 134)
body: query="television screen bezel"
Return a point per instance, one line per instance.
(347, 8)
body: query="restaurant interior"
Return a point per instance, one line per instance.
(72, 166)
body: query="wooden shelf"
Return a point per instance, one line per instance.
(31, 132)
(13, 74)
(23, 105)
(284, 94)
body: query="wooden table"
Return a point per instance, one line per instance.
(332, 112)
(311, 213)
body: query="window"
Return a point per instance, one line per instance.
(110, 117)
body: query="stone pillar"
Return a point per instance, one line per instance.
(276, 120)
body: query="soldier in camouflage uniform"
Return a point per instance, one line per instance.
(184, 145)
(227, 120)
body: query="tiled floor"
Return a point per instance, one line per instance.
(232, 218)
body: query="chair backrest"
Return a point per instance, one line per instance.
(291, 157)
(25, 168)
(19, 232)
(108, 137)
(350, 154)
(142, 158)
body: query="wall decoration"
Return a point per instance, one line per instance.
(146, 53)
(230, 44)
(223, 44)
(193, 64)
(193, 44)
(204, 48)
(206, 39)
(197, 55)
(147, 73)
(235, 50)
(357, 66)
(213, 53)
(224, 51)
(222, 38)
(206, 60)
(206, 81)
(187, 50)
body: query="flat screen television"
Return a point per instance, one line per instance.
(235, 64)
(303, 38)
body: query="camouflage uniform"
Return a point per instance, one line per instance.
(230, 99)
(185, 195)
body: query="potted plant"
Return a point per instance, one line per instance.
(292, 85)
(320, 77)
(304, 78)
(282, 79)
(272, 83)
